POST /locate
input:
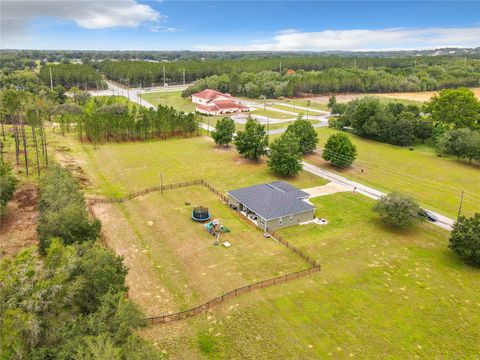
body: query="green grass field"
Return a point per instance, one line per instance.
(179, 254)
(171, 98)
(120, 168)
(381, 293)
(435, 182)
(304, 103)
(272, 114)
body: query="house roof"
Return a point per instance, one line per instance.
(274, 200)
(228, 104)
(209, 94)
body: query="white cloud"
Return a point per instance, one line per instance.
(89, 14)
(382, 39)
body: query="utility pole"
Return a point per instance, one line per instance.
(465, 60)
(164, 82)
(460, 205)
(51, 79)
(161, 183)
(355, 63)
(280, 66)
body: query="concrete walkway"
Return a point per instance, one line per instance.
(443, 221)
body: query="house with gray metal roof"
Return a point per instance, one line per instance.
(272, 206)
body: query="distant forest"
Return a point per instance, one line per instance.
(255, 74)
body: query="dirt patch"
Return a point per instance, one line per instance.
(69, 162)
(413, 96)
(18, 226)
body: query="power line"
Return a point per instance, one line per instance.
(406, 177)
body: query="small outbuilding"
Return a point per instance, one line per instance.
(272, 206)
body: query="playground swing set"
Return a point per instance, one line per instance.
(214, 227)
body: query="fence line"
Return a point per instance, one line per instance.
(162, 319)
(314, 266)
(296, 250)
(130, 196)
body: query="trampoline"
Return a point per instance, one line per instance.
(200, 213)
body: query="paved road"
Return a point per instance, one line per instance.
(323, 117)
(443, 221)
(133, 94)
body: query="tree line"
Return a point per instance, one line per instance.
(274, 84)
(70, 302)
(285, 152)
(107, 120)
(451, 119)
(70, 75)
(402, 74)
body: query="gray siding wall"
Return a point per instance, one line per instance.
(274, 224)
(232, 201)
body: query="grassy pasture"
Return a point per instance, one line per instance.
(301, 102)
(170, 98)
(381, 294)
(435, 182)
(120, 168)
(272, 114)
(185, 270)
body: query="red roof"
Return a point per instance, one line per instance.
(208, 94)
(228, 104)
(206, 108)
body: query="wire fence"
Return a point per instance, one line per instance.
(232, 294)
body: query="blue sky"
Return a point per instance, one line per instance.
(238, 25)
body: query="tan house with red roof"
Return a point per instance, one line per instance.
(212, 102)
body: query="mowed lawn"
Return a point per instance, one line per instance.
(170, 98)
(436, 182)
(381, 294)
(303, 103)
(173, 263)
(120, 168)
(272, 114)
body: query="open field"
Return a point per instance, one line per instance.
(120, 168)
(183, 268)
(272, 114)
(435, 182)
(171, 98)
(380, 291)
(300, 102)
(407, 97)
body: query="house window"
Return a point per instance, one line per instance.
(291, 218)
(280, 221)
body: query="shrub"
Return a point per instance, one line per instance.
(8, 183)
(63, 210)
(398, 210)
(465, 239)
